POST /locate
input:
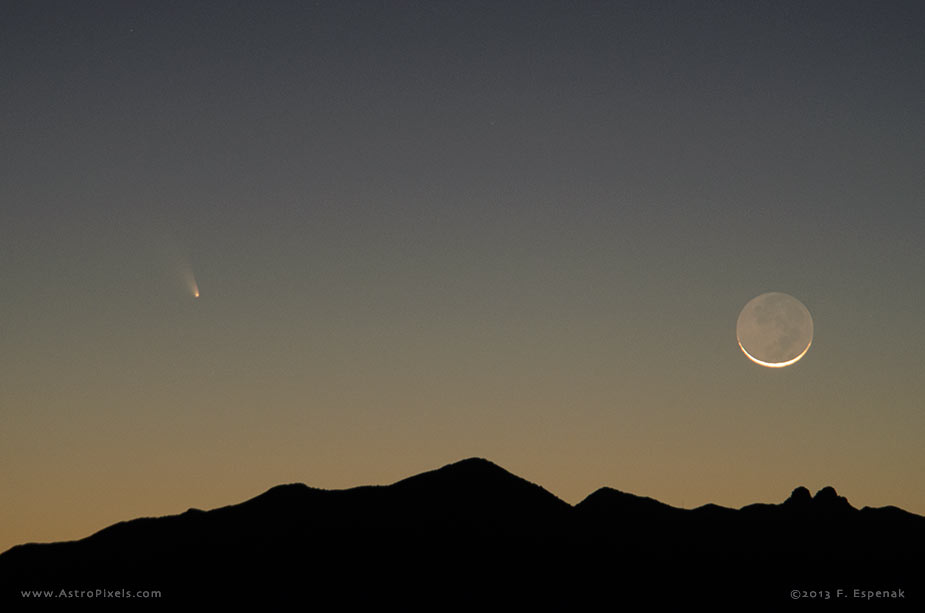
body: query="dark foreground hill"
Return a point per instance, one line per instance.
(472, 534)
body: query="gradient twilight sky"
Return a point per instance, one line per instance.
(425, 231)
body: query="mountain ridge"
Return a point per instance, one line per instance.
(473, 523)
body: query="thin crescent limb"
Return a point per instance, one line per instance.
(775, 364)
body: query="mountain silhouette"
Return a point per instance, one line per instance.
(472, 533)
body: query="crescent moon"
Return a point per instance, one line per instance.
(774, 364)
(774, 330)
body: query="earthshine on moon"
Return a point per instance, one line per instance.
(774, 330)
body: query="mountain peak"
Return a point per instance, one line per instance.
(828, 499)
(475, 464)
(607, 500)
(465, 471)
(800, 497)
(478, 483)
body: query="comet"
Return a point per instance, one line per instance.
(178, 257)
(191, 283)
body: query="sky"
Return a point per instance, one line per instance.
(426, 231)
